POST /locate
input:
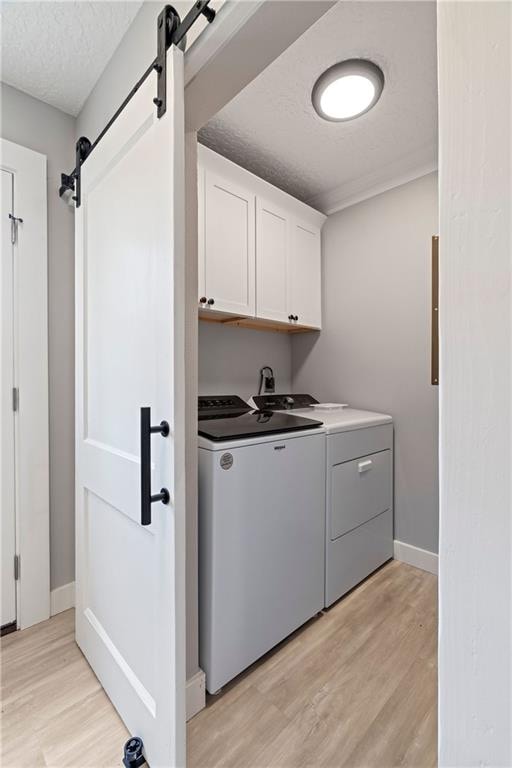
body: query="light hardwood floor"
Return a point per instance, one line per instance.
(356, 687)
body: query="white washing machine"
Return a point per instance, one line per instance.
(359, 488)
(261, 531)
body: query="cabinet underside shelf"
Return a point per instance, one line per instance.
(255, 323)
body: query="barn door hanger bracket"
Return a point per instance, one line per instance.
(166, 25)
(70, 183)
(82, 151)
(171, 31)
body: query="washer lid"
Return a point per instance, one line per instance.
(254, 424)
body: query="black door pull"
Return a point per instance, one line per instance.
(146, 497)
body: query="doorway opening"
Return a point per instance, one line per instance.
(314, 263)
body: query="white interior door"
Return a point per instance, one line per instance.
(130, 620)
(7, 464)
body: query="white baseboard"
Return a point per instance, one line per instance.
(196, 694)
(419, 558)
(62, 598)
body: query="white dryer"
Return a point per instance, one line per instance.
(359, 488)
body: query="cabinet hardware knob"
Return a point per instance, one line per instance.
(296, 317)
(290, 317)
(210, 302)
(203, 300)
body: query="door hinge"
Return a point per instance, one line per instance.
(15, 399)
(17, 567)
(15, 220)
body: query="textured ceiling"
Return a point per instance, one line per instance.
(271, 128)
(56, 51)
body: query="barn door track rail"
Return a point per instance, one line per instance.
(170, 31)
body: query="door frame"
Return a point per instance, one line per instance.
(207, 89)
(475, 335)
(31, 378)
(474, 555)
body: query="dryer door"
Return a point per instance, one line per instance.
(360, 490)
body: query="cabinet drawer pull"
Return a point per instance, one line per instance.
(364, 466)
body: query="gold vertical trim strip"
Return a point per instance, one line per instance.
(435, 311)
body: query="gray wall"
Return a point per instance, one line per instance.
(130, 60)
(33, 124)
(230, 359)
(374, 351)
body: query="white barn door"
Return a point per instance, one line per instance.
(130, 617)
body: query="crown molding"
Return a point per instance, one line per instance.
(360, 189)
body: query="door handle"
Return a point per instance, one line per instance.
(364, 466)
(146, 498)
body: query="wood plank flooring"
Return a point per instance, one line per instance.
(54, 711)
(355, 688)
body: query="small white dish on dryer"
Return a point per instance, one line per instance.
(328, 406)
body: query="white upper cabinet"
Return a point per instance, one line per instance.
(226, 245)
(272, 245)
(304, 271)
(259, 249)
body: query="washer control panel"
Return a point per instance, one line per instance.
(215, 406)
(283, 402)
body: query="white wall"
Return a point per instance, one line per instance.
(374, 349)
(230, 360)
(33, 124)
(475, 655)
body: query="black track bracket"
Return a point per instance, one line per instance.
(200, 8)
(67, 183)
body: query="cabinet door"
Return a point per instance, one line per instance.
(304, 269)
(272, 246)
(227, 246)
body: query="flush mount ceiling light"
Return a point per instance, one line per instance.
(348, 89)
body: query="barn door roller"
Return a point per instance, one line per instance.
(170, 31)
